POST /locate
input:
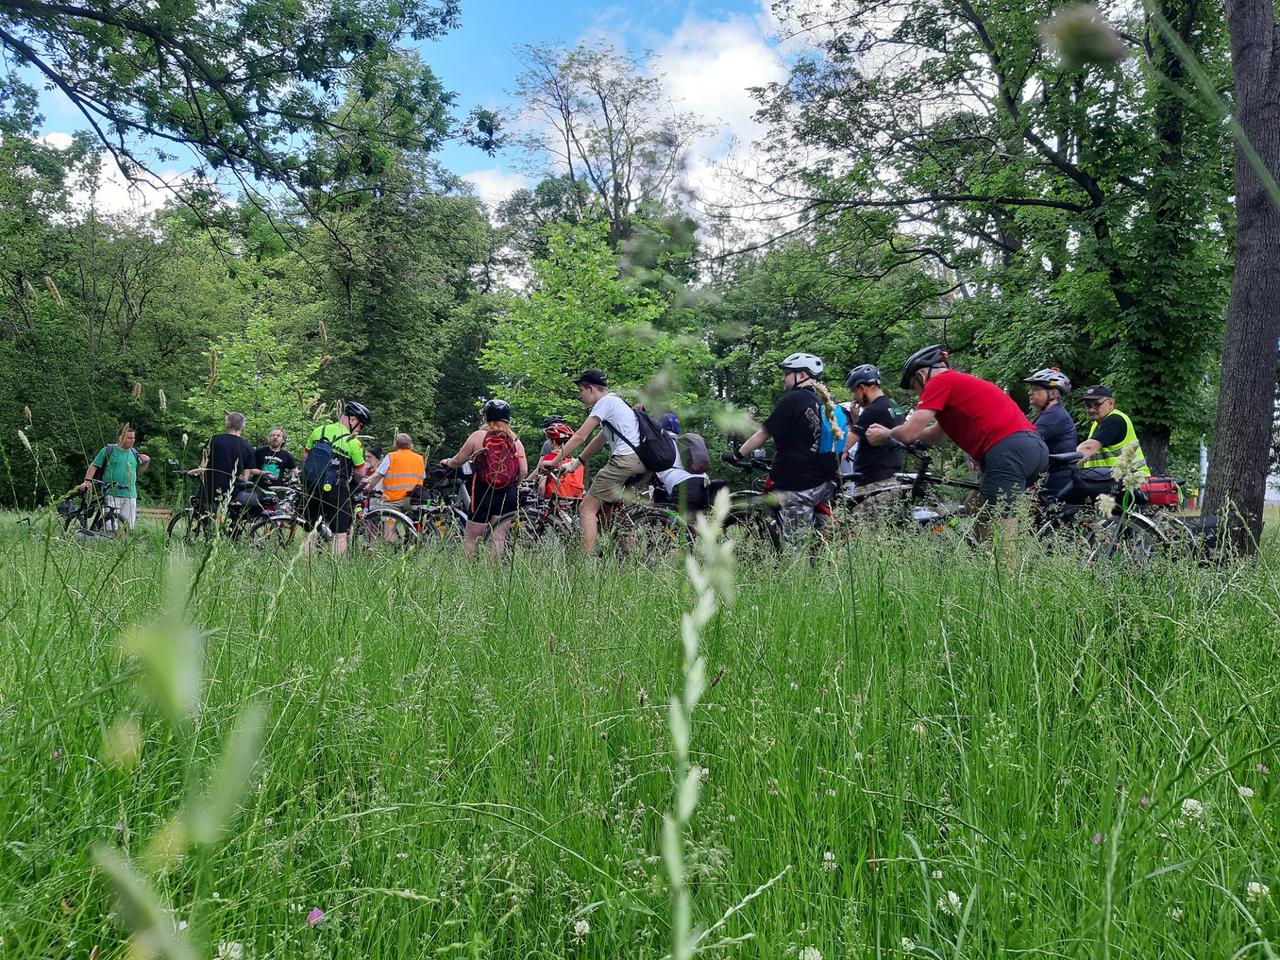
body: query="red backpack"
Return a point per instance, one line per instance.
(499, 465)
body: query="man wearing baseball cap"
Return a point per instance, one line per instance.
(1110, 434)
(618, 425)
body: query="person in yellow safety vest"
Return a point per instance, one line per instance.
(399, 472)
(1110, 435)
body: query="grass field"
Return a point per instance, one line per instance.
(933, 757)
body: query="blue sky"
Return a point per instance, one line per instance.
(710, 53)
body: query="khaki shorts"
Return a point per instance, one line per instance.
(607, 485)
(127, 507)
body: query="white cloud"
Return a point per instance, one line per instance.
(710, 66)
(113, 192)
(495, 185)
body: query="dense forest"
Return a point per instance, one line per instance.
(940, 175)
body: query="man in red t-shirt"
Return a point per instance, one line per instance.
(980, 417)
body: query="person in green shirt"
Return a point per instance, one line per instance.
(119, 464)
(329, 483)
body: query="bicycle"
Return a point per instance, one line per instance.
(93, 516)
(374, 529)
(913, 500)
(753, 514)
(200, 521)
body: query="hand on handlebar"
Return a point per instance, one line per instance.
(731, 456)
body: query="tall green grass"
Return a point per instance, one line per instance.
(468, 760)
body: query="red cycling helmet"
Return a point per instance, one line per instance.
(558, 432)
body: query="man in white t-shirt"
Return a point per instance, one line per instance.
(618, 427)
(684, 489)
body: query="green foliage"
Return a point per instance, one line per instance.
(581, 313)
(252, 372)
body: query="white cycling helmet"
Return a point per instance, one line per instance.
(1050, 377)
(803, 361)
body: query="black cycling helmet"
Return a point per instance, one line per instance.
(1050, 377)
(867, 373)
(932, 356)
(359, 411)
(547, 422)
(497, 410)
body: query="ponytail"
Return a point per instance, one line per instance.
(829, 403)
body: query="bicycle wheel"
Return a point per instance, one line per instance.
(756, 526)
(190, 526)
(1131, 540)
(438, 523)
(648, 532)
(277, 533)
(383, 530)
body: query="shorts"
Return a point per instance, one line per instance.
(126, 508)
(798, 509)
(1011, 466)
(608, 484)
(333, 506)
(488, 504)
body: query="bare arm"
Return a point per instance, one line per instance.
(1089, 449)
(579, 437)
(467, 451)
(754, 442)
(524, 460)
(922, 425)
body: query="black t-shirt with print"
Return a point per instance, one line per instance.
(1111, 430)
(279, 465)
(872, 464)
(796, 428)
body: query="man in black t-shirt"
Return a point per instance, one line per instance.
(873, 467)
(273, 464)
(227, 458)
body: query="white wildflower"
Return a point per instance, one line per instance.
(1192, 809)
(908, 945)
(1246, 793)
(937, 874)
(580, 930)
(1175, 914)
(810, 953)
(1257, 892)
(1106, 504)
(229, 951)
(950, 904)
(828, 860)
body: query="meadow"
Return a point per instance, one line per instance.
(906, 749)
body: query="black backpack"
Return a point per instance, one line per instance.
(657, 448)
(322, 466)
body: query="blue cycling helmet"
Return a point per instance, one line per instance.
(669, 422)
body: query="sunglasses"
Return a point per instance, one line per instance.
(1091, 404)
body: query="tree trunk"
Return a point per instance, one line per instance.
(1155, 448)
(1242, 433)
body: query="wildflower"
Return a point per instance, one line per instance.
(1192, 809)
(580, 930)
(919, 729)
(1106, 505)
(794, 685)
(810, 953)
(268, 821)
(1246, 793)
(828, 860)
(773, 786)
(1144, 802)
(1098, 838)
(1257, 892)
(950, 904)
(1262, 768)
(1175, 914)
(936, 874)
(315, 917)
(229, 951)
(908, 945)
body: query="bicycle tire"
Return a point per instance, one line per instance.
(649, 532)
(277, 533)
(384, 530)
(190, 526)
(758, 523)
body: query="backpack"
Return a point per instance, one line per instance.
(656, 449)
(320, 467)
(693, 452)
(499, 466)
(827, 443)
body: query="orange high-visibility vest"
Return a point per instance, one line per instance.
(406, 471)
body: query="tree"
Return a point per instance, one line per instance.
(248, 86)
(1237, 480)
(1074, 202)
(581, 314)
(602, 124)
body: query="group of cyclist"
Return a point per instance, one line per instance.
(821, 448)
